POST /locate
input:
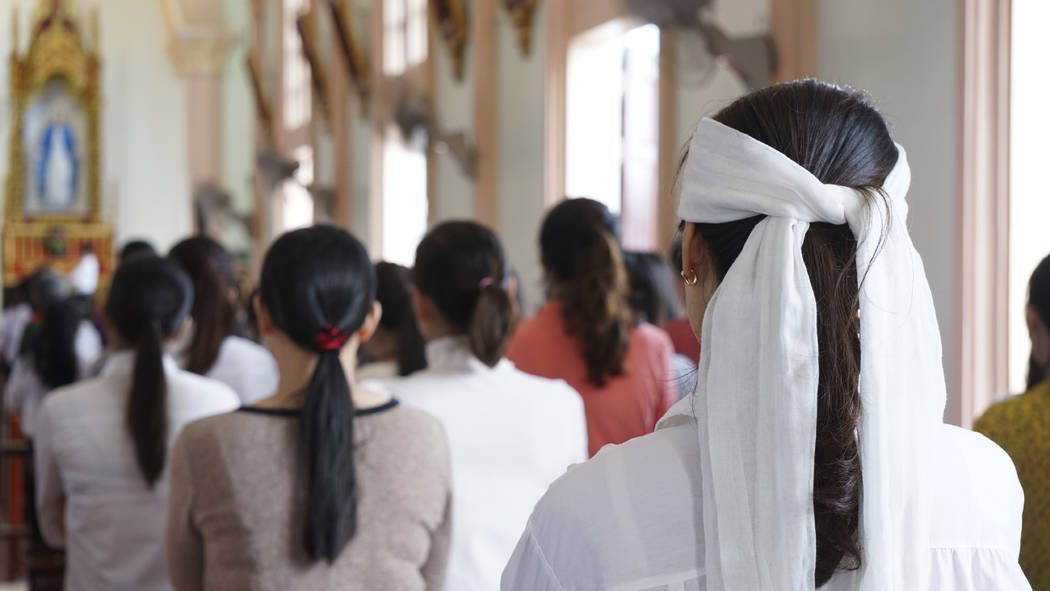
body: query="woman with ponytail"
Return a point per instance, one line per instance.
(586, 335)
(210, 347)
(324, 485)
(397, 347)
(102, 444)
(510, 434)
(812, 453)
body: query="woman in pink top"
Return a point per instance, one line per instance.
(584, 333)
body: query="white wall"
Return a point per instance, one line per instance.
(904, 54)
(144, 185)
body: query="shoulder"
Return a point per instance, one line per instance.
(83, 391)
(1008, 413)
(413, 425)
(651, 334)
(249, 351)
(199, 390)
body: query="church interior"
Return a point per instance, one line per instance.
(151, 121)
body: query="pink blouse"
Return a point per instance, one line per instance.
(629, 405)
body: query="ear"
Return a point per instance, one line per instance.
(693, 250)
(512, 288)
(371, 323)
(262, 317)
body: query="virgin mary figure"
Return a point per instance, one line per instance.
(56, 169)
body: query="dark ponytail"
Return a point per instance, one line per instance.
(578, 242)
(1039, 300)
(843, 140)
(318, 286)
(54, 353)
(210, 267)
(394, 293)
(148, 301)
(461, 267)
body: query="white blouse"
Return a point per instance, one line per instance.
(618, 521)
(510, 435)
(91, 496)
(246, 367)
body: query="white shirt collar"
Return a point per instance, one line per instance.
(452, 353)
(123, 362)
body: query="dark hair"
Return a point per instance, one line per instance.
(841, 139)
(211, 269)
(1039, 300)
(652, 288)
(579, 245)
(54, 354)
(135, 250)
(46, 287)
(394, 293)
(318, 286)
(148, 301)
(461, 267)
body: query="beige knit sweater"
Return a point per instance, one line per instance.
(236, 505)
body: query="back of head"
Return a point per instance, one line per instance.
(46, 287)
(394, 293)
(1039, 300)
(54, 353)
(136, 250)
(841, 139)
(652, 291)
(318, 286)
(578, 243)
(148, 301)
(210, 267)
(461, 267)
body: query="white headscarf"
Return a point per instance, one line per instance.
(756, 399)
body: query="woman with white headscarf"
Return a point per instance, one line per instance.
(812, 453)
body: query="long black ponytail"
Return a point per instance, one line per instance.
(148, 301)
(318, 286)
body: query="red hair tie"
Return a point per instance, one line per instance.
(330, 339)
(486, 282)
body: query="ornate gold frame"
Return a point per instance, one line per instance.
(450, 24)
(56, 49)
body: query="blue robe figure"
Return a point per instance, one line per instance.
(57, 170)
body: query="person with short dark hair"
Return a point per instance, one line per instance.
(325, 485)
(210, 348)
(102, 445)
(1018, 424)
(134, 250)
(511, 434)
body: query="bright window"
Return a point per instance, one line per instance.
(404, 35)
(1029, 203)
(404, 197)
(297, 93)
(295, 204)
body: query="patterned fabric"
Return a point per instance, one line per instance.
(1021, 426)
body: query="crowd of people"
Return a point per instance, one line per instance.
(770, 420)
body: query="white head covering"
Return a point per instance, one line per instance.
(756, 398)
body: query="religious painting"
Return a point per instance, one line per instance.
(54, 136)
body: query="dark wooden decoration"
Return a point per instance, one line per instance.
(357, 65)
(522, 13)
(450, 20)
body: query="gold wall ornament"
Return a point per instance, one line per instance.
(53, 177)
(522, 13)
(357, 64)
(450, 20)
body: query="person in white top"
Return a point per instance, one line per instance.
(101, 445)
(510, 434)
(65, 350)
(812, 453)
(209, 348)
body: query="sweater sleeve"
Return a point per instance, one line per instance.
(184, 547)
(434, 568)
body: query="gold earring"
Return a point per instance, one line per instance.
(688, 281)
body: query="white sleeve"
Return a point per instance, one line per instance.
(16, 384)
(50, 502)
(528, 569)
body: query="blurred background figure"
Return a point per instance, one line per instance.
(136, 249)
(654, 301)
(210, 347)
(101, 446)
(586, 332)
(325, 485)
(397, 348)
(510, 434)
(1019, 426)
